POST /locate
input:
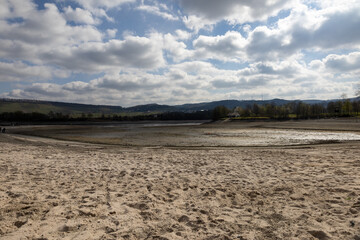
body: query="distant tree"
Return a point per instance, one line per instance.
(246, 112)
(331, 108)
(270, 110)
(347, 107)
(356, 107)
(256, 109)
(303, 110)
(51, 115)
(317, 110)
(220, 112)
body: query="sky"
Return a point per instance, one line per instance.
(131, 52)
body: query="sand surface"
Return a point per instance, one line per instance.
(52, 189)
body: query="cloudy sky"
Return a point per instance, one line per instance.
(129, 52)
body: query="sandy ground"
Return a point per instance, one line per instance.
(51, 189)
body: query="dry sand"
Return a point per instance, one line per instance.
(51, 189)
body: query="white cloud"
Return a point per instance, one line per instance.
(100, 8)
(16, 8)
(79, 15)
(107, 4)
(206, 12)
(176, 50)
(196, 23)
(111, 32)
(41, 31)
(339, 68)
(44, 37)
(19, 71)
(228, 47)
(39, 45)
(157, 11)
(132, 52)
(303, 29)
(193, 82)
(182, 35)
(343, 63)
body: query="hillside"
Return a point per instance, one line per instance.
(28, 106)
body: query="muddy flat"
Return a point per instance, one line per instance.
(288, 180)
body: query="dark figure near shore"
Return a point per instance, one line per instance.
(3, 130)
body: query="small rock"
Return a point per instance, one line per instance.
(353, 211)
(253, 194)
(109, 229)
(183, 218)
(64, 228)
(319, 234)
(140, 206)
(19, 224)
(86, 213)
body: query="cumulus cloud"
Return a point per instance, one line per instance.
(343, 63)
(44, 37)
(182, 35)
(205, 12)
(303, 29)
(132, 52)
(100, 8)
(41, 31)
(41, 90)
(339, 68)
(107, 4)
(278, 58)
(191, 82)
(16, 8)
(124, 89)
(19, 71)
(155, 10)
(227, 47)
(111, 33)
(176, 50)
(79, 15)
(196, 23)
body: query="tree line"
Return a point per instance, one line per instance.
(20, 117)
(292, 110)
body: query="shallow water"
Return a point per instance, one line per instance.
(191, 135)
(268, 137)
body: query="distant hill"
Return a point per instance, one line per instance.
(150, 108)
(227, 103)
(28, 106)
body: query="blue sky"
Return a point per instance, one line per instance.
(130, 52)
